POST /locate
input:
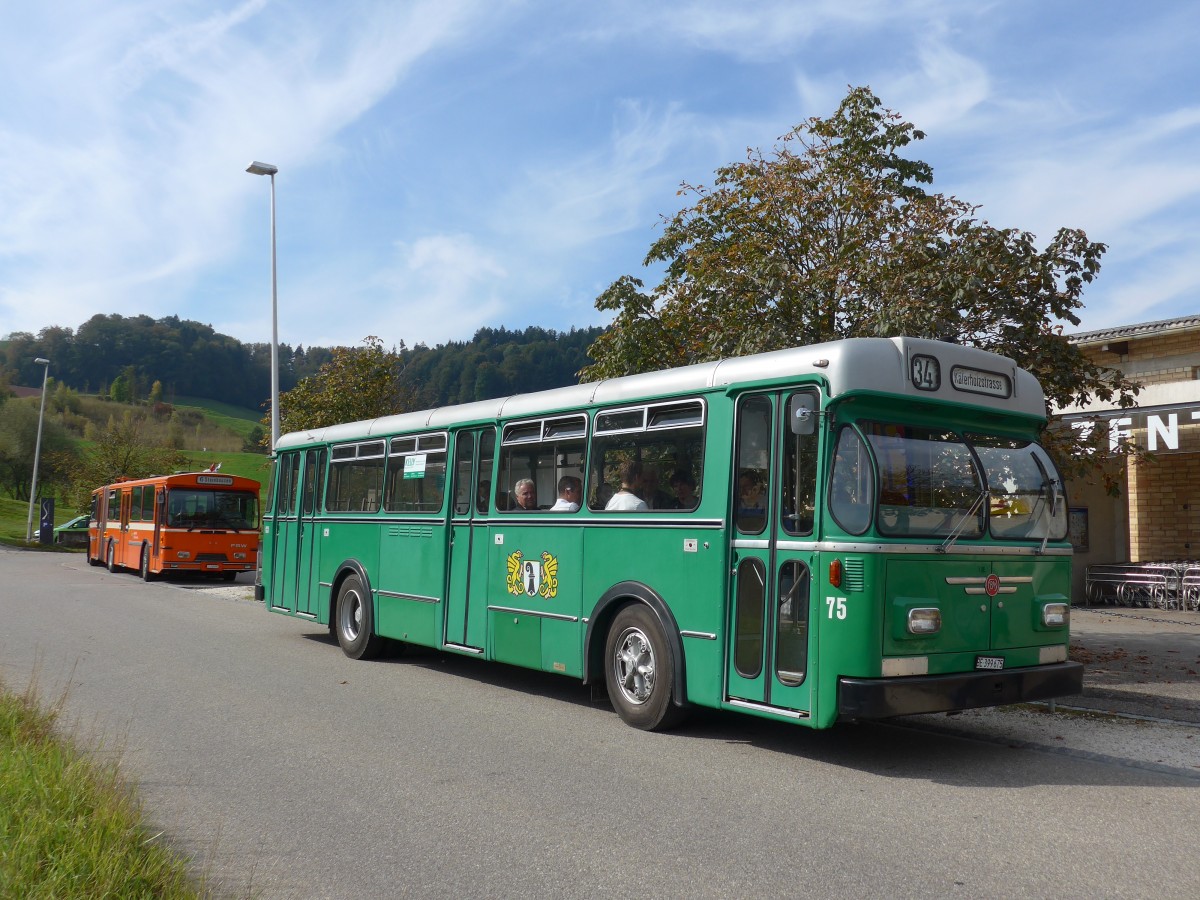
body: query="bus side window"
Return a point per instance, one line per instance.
(753, 461)
(799, 475)
(852, 484)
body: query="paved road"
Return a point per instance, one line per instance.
(288, 770)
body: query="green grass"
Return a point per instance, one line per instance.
(247, 465)
(14, 515)
(69, 827)
(238, 419)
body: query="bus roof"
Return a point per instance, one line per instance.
(962, 375)
(204, 478)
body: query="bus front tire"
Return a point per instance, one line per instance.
(146, 574)
(638, 670)
(112, 559)
(356, 621)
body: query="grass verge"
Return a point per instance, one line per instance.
(69, 826)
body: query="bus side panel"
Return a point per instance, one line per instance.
(339, 541)
(412, 561)
(686, 567)
(537, 567)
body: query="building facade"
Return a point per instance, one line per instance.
(1157, 515)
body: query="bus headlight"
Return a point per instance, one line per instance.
(1055, 615)
(924, 620)
(184, 554)
(239, 555)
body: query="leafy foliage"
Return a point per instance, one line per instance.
(357, 383)
(126, 355)
(18, 440)
(122, 450)
(832, 235)
(497, 362)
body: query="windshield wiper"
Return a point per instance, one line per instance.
(961, 522)
(1055, 489)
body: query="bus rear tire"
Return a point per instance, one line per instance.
(639, 671)
(355, 620)
(146, 574)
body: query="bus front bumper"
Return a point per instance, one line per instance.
(880, 698)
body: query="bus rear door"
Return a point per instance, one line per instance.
(308, 564)
(467, 566)
(773, 522)
(285, 528)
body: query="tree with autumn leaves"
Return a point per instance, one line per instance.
(357, 383)
(834, 235)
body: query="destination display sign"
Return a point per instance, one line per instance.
(979, 381)
(214, 479)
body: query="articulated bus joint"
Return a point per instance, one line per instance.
(881, 698)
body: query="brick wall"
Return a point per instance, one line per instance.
(1158, 359)
(1164, 508)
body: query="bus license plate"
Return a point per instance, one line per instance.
(989, 662)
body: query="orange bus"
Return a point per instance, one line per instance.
(195, 522)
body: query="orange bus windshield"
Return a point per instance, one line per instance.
(189, 507)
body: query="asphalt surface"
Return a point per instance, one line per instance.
(287, 770)
(1138, 662)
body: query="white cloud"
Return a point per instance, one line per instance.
(125, 201)
(436, 288)
(451, 163)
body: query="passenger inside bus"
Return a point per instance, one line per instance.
(626, 499)
(752, 509)
(570, 489)
(652, 492)
(683, 485)
(524, 495)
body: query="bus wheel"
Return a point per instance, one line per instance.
(355, 621)
(112, 558)
(147, 575)
(638, 671)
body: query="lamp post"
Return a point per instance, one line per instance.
(259, 168)
(37, 447)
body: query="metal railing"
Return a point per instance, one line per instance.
(1172, 584)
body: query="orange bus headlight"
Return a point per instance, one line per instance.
(239, 556)
(184, 554)
(924, 620)
(1055, 615)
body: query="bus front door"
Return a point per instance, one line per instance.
(771, 597)
(285, 531)
(466, 572)
(308, 564)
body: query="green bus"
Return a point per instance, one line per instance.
(852, 530)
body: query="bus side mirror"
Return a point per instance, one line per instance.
(802, 414)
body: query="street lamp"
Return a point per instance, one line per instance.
(259, 168)
(37, 447)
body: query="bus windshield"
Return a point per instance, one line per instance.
(933, 483)
(200, 508)
(929, 484)
(1024, 489)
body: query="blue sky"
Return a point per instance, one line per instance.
(451, 164)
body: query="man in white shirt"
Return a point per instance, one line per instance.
(570, 489)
